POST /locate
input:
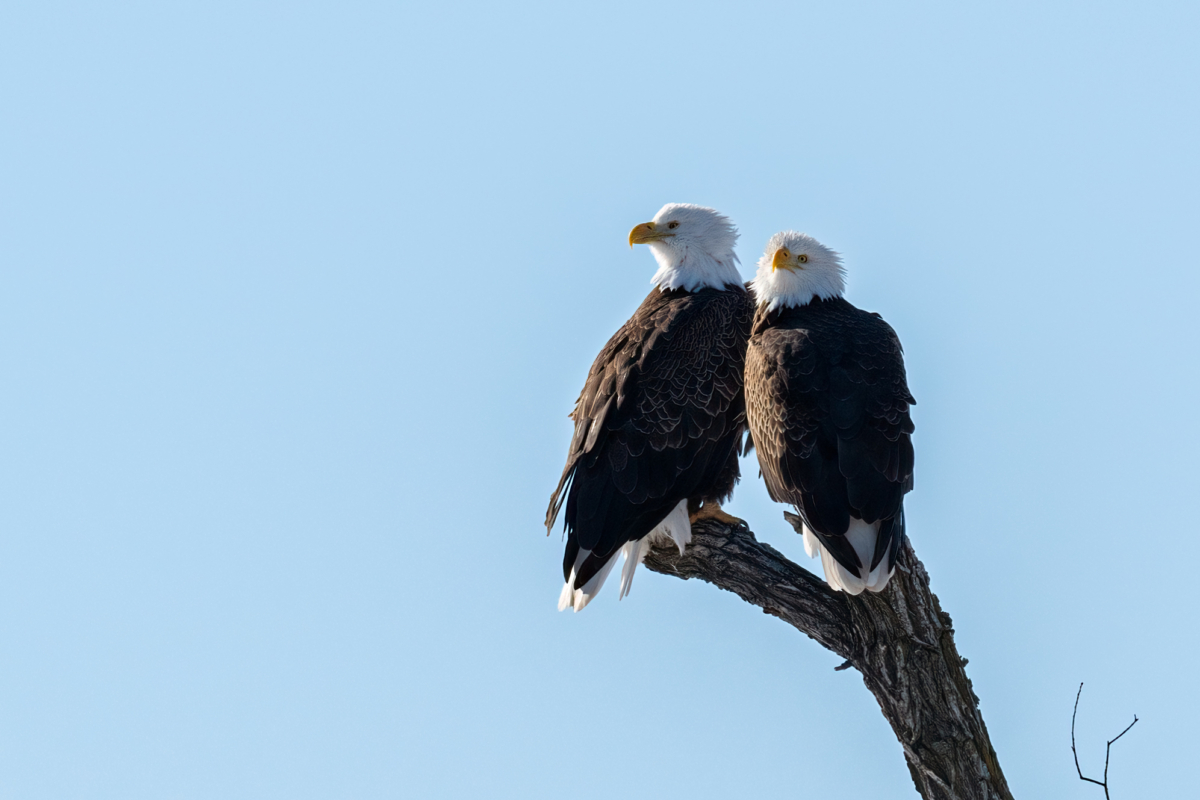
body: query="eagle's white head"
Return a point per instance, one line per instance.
(794, 269)
(693, 246)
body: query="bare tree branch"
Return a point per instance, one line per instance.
(900, 640)
(1107, 748)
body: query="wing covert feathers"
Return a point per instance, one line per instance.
(660, 420)
(828, 409)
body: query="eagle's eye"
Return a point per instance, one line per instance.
(672, 225)
(803, 259)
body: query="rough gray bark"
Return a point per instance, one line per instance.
(900, 640)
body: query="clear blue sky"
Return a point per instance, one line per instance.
(295, 298)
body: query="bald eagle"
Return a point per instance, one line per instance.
(828, 406)
(661, 417)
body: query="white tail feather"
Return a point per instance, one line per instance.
(676, 527)
(812, 545)
(564, 597)
(861, 537)
(635, 554)
(579, 598)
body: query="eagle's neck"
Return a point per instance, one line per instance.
(791, 289)
(694, 270)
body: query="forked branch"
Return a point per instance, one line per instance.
(1107, 748)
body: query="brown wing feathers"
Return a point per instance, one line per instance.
(659, 420)
(829, 407)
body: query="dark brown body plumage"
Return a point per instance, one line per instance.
(828, 408)
(660, 420)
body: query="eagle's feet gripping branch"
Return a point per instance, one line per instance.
(714, 512)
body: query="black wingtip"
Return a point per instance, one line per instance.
(883, 541)
(837, 546)
(840, 548)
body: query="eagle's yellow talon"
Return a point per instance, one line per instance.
(714, 512)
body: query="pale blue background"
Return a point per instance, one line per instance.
(295, 300)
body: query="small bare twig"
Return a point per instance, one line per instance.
(1107, 748)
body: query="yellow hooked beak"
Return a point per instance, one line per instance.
(783, 259)
(647, 232)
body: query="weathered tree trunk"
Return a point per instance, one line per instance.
(900, 640)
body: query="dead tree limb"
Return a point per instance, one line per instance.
(1107, 748)
(899, 640)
